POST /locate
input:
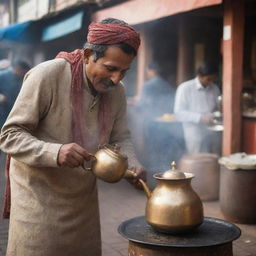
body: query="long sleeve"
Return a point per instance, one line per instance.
(181, 108)
(17, 135)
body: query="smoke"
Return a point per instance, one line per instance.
(158, 141)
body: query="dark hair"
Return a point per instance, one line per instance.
(22, 64)
(207, 68)
(154, 66)
(99, 49)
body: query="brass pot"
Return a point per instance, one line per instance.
(110, 165)
(173, 207)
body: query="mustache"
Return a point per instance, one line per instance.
(108, 83)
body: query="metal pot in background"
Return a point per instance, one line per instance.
(237, 188)
(205, 167)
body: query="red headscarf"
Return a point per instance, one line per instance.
(112, 34)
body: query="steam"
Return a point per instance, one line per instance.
(157, 142)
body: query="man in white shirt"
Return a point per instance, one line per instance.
(195, 102)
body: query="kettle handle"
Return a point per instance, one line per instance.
(93, 158)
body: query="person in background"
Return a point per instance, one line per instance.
(10, 84)
(67, 108)
(157, 96)
(195, 102)
(156, 100)
(4, 64)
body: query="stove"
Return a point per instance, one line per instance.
(214, 237)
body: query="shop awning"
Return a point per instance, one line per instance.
(45, 29)
(63, 27)
(17, 32)
(140, 11)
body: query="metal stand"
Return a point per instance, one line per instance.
(214, 237)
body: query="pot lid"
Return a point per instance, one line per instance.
(239, 161)
(113, 150)
(173, 173)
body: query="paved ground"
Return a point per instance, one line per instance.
(119, 202)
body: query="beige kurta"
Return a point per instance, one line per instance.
(54, 210)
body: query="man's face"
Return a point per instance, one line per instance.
(107, 71)
(151, 73)
(207, 80)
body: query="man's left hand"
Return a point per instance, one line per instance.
(141, 173)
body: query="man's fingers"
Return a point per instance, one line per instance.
(81, 151)
(73, 155)
(78, 157)
(141, 174)
(73, 162)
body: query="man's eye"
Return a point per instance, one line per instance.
(123, 72)
(110, 68)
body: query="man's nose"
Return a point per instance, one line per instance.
(116, 77)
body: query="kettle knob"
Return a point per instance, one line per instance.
(173, 165)
(116, 148)
(173, 173)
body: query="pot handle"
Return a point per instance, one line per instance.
(93, 158)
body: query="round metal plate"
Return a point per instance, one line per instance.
(216, 128)
(212, 232)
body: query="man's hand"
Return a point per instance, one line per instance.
(207, 119)
(140, 174)
(73, 155)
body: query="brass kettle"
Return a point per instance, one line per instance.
(109, 165)
(173, 206)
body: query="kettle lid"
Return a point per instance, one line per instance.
(173, 173)
(113, 151)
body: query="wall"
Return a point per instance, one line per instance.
(32, 9)
(61, 4)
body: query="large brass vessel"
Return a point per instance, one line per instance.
(172, 207)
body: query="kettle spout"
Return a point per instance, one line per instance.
(131, 174)
(146, 188)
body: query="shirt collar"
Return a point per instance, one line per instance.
(88, 90)
(85, 80)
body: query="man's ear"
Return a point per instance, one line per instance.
(87, 54)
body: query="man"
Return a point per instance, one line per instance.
(10, 84)
(67, 108)
(195, 102)
(157, 97)
(4, 64)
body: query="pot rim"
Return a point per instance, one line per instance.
(188, 175)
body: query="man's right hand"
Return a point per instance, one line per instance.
(207, 119)
(73, 155)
